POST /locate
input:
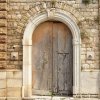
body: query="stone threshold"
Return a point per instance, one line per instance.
(56, 98)
(48, 98)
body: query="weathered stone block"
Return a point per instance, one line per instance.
(90, 82)
(3, 55)
(2, 75)
(10, 98)
(3, 31)
(3, 6)
(3, 98)
(2, 84)
(15, 75)
(14, 83)
(3, 14)
(3, 38)
(85, 66)
(3, 64)
(83, 49)
(95, 13)
(9, 75)
(12, 25)
(3, 47)
(83, 57)
(2, 93)
(10, 66)
(26, 7)
(14, 92)
(3, 22)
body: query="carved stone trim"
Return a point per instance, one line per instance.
(27, 48)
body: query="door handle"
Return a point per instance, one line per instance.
(63, 54)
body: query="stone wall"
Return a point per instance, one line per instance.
(3, 46)
(3, 33)
(14, 16)
(19, 13)
(10, 83)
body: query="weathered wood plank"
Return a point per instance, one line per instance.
(64, 53)
(55, 58)
(42, 61)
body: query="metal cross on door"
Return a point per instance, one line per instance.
(52, 58)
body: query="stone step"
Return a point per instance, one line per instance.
(56, 98)
(48, 98)
(16, 98)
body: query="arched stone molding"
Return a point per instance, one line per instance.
(34, 21)
(43, 6)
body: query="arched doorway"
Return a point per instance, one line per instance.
(52, 59)
(27, 48)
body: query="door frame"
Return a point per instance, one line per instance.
(68, 20)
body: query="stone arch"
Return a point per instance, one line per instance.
(61, 6)
(58, 5)
(65, 18)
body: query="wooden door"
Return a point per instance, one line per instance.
(62, 60)
(52, 59)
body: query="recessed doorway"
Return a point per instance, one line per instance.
(52, 59)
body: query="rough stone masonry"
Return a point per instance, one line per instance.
(14, 16)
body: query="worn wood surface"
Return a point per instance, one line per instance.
(42, 59)
(52, 59)
(62, 59)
